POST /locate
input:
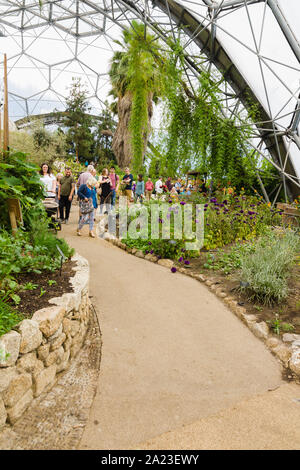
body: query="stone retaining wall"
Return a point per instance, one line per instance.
(41, 348)
(287, 349)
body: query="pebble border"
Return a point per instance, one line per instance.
(286, 350)
(42, 347)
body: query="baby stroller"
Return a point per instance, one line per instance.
(52, 212)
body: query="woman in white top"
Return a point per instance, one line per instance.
(48, 180)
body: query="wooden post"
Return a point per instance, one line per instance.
(5, 114)
(15, 214)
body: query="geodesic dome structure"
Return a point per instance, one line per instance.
(253, 43)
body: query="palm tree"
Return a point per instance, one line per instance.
(136, 84)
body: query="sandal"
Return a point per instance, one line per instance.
(78, 233)
(91, 235)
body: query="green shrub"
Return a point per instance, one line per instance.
(264, 273)
(8, 318)
(34, 250)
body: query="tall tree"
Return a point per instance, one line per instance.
(79, 135)
(104, 132)
(135, 79)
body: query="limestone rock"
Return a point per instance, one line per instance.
(296, 344)
(66, 325)
(240, 311)
(10, 344)
(43, 379)
(56, 334)
(220, 293)
(168, 263)
(283, 353)
(18, 409)
(58, 342)
(67, 344)
(54, 357)
(31, 336)
(249, 319)
(75, 350)
(150, 257)
(75, 327)
(139, 254)
(49, 319)
(64, 362)
(3, 414)
(289, 337)
(6, 376)
(272, 342)
(17, 388)
(295, 362)
(43, 352)
(261, 330)
(29, 363)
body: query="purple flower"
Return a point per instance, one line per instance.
(173, 270)
(152, 251)
(183, 250)
(182, 203)
(186, 262)
(180, 259)
(146, 252)
(225, 202)
(149, 243)
(197, 221)
(205, 205)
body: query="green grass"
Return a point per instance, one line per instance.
(265, 272)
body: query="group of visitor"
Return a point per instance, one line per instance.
(93, 190)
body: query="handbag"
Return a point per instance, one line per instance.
(86, 206)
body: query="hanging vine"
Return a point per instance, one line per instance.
(197, 133)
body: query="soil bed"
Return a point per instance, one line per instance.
(48, 285)
(288, 311)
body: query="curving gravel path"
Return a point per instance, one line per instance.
(172, 353)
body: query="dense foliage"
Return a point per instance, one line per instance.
(264, 274)
(33, 248)
(78, 122)
(227, 218)
(196, 132)
(18, 179)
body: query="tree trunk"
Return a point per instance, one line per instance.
(121, 143)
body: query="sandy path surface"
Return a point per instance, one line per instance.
(172, 354)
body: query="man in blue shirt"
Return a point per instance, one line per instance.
(127, 185)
